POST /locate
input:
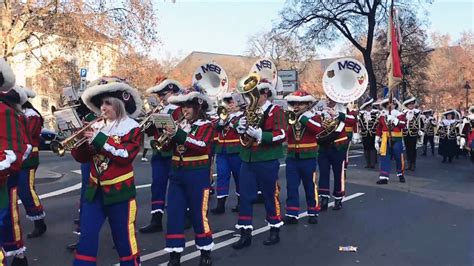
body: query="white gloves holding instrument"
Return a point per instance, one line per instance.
(255, 133)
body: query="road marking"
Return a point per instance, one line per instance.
(228, 242)
(77, 172)
(187, 244)
(61, 191)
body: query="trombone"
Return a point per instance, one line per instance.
(73, 141)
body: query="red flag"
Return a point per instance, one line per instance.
(394, 70)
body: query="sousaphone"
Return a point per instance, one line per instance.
(345, 80)
(212, 78)
(266, 70)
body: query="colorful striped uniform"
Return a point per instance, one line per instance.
(189, 185)
(301, 165)
(227, 152)
(260, 167)
(161, 164)
(392, 143)
(110, 192)
(350, 130)
(13, 149)
(333, 154)
(26, 183)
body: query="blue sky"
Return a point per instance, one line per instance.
(223, 26)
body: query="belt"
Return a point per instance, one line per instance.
(190, 158)
(114, 180)
(303, 145)
(228, 140)
(341, 139)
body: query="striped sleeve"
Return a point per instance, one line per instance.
(12, 145)
(278, 133)
(313, 125)
(122, 149)
(200, 141)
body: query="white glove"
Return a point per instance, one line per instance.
(242, 125)
(421, 133)
(393, 119)
(255, 133)
(462, 143)
(377, 143)
(307, 114)
(356, 138)
(221, 122)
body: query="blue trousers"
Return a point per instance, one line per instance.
(331, 157)
(121, 218)
(29, 197)
(301, 171)
(263, 175)
(227, 165)
(386, 161)
(160, 169)
(188, 189)
(11, 227)
(3, 213)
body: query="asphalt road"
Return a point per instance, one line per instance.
(427, 221)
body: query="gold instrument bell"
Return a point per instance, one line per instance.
(248, 87)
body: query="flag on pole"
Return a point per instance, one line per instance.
(394, 70)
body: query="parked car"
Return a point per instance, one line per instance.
(47, 136)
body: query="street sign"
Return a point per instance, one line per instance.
(288, 75)
(83, 72)
(82, 86)
(289, 87)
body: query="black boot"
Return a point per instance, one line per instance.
(19, 261)
(40, 229)
(273, 238)
(313, 219)
(72, 247)
(382, 182)
(290, 220)
(206, 259)
(220, 208)
(324, 203)
(236, 208)
(337, 205)
(155, 225)
(175, 259)
(245, 239)
(444, 159)
(402, 179)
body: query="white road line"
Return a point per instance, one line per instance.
(228, 242)
(61, 191)
(77, 171)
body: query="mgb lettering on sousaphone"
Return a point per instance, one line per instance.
(213, 79)
(344, 81)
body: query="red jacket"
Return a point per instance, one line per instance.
(306, 146)
(191, 146)
(111, 155)
(227, 136)
(34, 123)
(397, 130)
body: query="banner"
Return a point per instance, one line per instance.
(394, 70)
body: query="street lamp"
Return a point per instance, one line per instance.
(467, 87)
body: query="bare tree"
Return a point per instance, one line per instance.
(32, 24)
(324, 21)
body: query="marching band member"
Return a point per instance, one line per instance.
(13, 235)
(26, 182)
(189, 180)
(332, 153)
(447, 132)
(412, 131)
(352, 133)
(161, 160)
(260, 166)
(367, 125)
(428, 124)
(87, 116)
(13, 150)
(227, 151)
(113, 144)
(467, 133)
(389, 141)
(301, 157)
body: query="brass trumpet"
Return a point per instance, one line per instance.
(294, 116)
(73, 141)
(146, 122)
(164, 139)
(222, 112)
